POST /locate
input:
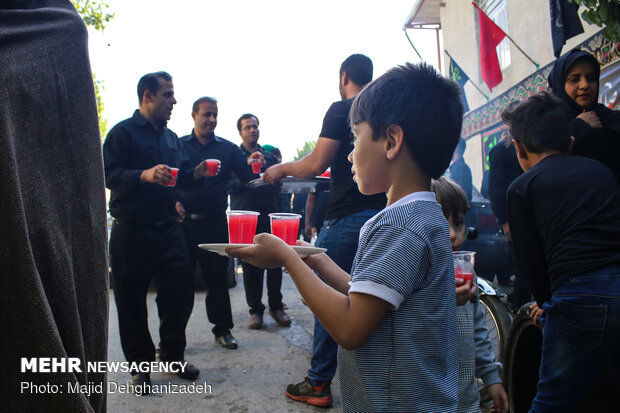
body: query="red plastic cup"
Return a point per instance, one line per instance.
(464, 265)
(242, 226)
(285, 226)
(174, 172)
(213, 166)
(256, 165)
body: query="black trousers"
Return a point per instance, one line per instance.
(139, 254)
(213, 267)
(253, 279)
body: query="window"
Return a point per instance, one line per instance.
(498, 12)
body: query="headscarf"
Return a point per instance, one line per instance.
(559, 73)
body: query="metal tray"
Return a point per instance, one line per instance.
(289, 185)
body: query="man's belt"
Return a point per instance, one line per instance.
(196, 216)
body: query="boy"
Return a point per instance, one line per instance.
(564, 217)
(475, 352)
(393, 317)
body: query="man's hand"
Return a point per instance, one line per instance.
(180, 210)
(465, 292)
(202, 169)
(591, 118)
(159, 174)
(268, 251)
(506, 229)
(256, 155)
(500, 399)
(273, 174)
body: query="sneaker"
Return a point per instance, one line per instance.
(281, 317)
(320, 396)
(256, 321)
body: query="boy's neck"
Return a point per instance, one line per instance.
(406, 178)
(535, 158)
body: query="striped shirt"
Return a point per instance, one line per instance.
(410, 362)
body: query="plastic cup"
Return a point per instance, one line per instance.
(213, 166)
(241, 226)
(285, 226)
(175, 173)
(256, 165)
(464, 265)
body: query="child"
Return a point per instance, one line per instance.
(394, 317)
(475, 353)
(564, 217)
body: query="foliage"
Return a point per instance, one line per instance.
(305, 150)
(96, 16)
(94, 13)
(603, 13)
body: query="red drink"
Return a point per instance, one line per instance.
(256, 166)
(212, 166)
(174, 172)
(285, 229)
(465, 276)
(242, 226)
(285, 226)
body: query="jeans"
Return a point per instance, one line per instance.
(340, 236)
(581, 342)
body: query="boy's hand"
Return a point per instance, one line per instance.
(268, 251)
(500, 399)
(314, 261)
(536, 312)
(465, 292)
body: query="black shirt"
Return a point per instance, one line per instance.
(213, 194)
(344, 196)
(132, 146)
(503, 169)
(265, 199)
(564, 216)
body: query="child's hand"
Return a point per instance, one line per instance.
(465, 292)
(536, 313)
(500, 399)
(314, 261)
(268, 251)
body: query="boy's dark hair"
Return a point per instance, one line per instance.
(204, 99)
(450, 196)
(246, 116)
(540, 123)
(359, 69)
(150, 82)
(424, 104)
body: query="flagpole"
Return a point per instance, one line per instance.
(509, 38)
(524, 54)
(411, 43)
(472, 82)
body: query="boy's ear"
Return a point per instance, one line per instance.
(395, 139)
(521, 152)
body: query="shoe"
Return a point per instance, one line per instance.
(140, 384)
(190, 372)
(281, 317)
(226, 341)
(320, 396)
(256, 321)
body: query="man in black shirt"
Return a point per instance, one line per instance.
(204, 212)
(347, 211)
(147, 241)
(263, 201)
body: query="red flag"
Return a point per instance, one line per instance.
(490, 36)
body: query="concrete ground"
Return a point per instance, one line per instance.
(249, 379)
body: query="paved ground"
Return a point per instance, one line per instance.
(249, 379)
